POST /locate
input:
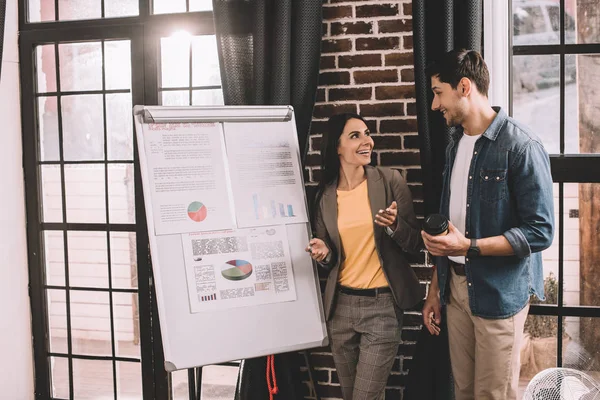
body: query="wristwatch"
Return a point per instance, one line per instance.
(473, 251)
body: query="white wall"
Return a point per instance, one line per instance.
(16, 362)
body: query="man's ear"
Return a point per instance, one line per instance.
(465, 86)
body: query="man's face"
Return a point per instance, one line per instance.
(448, 101)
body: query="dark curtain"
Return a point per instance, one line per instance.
(269, 52)
(2, 15)
(438, 26)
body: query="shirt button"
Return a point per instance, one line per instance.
(467, 232)
(466, 259)
(497, 178)
(487, 177)
(470, 177)
(475, 152)
(467, 205)
(470, 284)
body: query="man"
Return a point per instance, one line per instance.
(497, 194)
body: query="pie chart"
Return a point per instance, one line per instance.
(236, 270)
(197, 211)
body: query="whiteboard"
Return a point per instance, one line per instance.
(192, 339)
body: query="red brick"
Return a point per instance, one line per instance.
(313, 159)
(414, 175)
(350, 94)
(337, 12)
(411, 109)
(315, 143)
(394, 92)
(382, 110)
(376, 10)
(398, 125)
(400, 59)
(327, 110)
(360, 60)
(400, 158)
(395, 25)
(334, 78)
(324, 29)
(318, 127)
(385, 75)
(320, 95)
(407, 42)
(385, 43)
(336, 46)
(327, 62)
(407, 75)
(407, 9)
(351, 28)
(388, 142)
(412, 141)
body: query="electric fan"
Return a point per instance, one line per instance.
(562, 384)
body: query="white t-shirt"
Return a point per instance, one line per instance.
(459, 182)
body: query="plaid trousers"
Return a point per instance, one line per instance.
(364, 333)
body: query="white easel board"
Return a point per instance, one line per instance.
(227, 224)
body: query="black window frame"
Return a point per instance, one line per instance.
(566, 168)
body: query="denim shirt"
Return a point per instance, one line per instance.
(509, 193)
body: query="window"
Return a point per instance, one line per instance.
(553, 60)
(94, 317)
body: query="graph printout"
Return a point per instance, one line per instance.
(245, 267)
(188, 178)
(265, 174)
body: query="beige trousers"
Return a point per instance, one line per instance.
(484, 353)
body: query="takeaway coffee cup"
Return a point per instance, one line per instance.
(436, 224)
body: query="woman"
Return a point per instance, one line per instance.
(364, 221)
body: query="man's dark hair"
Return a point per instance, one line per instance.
(458, 64)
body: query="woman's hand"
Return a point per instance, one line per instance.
(318, 249)
(388, 216)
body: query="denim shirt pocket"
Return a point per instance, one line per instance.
(493, 185)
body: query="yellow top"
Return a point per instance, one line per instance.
(361, 268)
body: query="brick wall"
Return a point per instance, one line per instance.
(367, 67)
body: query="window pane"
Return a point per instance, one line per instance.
(83, 127)
(78, 9)
(59, 369)
(212, 97)
(57, 320)
(123, 260)
(582, 349)
(168, 6)
(121, 8)
(218, 382)
(45, 68)
(536, 97)
(93, 379)
(127, 324)
(582, 118)
(90, 323)
(179, 384)
(117, 64)
(201, 5)
(88, 259)
(129, 380)
(538, 350)
(550, 261)
(581, 247)
(51, 193)
(176, 98)
(121, 198)
(175, 60)
(531, 24)
(80, 66)
(48, 129)
(54, 257)
(85, 193)
(582, 21)
(41, 10)
(205, 61)
(119, 126)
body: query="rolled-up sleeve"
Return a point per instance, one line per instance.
(532, 189)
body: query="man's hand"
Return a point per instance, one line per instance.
(432, 313)
(318, 249)
(452, 244)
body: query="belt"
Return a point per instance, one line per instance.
(459, 269)
(364, 292)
